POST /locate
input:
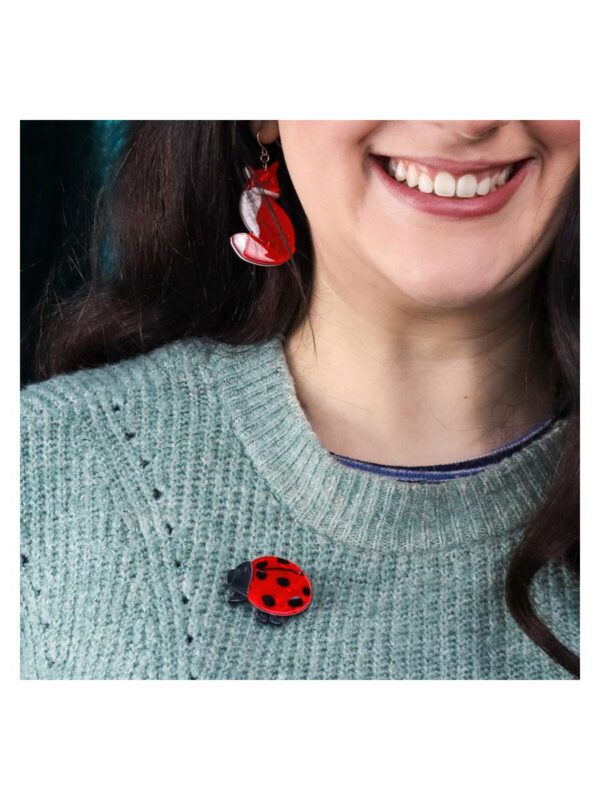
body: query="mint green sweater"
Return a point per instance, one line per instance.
(144, 482)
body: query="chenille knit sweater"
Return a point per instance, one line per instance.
(144, 482)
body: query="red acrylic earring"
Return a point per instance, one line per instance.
(271, 239)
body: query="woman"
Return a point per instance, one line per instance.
(377, 381)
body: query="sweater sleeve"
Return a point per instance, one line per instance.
(36, 455)
(51, 449)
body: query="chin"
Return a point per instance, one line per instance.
(452, 291)
(450, 282)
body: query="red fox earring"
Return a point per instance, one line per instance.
(271, 240)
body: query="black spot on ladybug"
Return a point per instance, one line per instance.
(305, 590)
(268, 600)
(261, 575)
(283, 581)
(261, 565)
(295, 602)
(282, 561)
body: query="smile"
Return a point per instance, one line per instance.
(476, 192)
(445, 184)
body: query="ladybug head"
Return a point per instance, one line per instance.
(238, 579)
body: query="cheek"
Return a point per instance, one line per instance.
(323, 139)
(326, 165)
(556, 134)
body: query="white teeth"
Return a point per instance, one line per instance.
(483, 187)
(445, 185)
(466, 186)
(400, 172)
(503, 177)
(412, 176)
(425, 183)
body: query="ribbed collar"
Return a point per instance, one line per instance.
(364, 510)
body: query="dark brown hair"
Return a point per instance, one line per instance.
(161, 268)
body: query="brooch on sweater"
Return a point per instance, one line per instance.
(276, 588)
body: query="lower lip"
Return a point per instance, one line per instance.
(454, 206)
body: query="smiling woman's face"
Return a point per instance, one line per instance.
(375, 230)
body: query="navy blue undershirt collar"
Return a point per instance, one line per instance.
(457, 469)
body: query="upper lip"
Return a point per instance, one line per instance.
(457, 166)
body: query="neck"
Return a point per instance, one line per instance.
(399, 383)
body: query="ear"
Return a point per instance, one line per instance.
(269, 130)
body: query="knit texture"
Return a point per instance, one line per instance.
(144, 482)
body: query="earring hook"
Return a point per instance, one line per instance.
(264, 155)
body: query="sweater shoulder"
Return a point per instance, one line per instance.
(158, 372)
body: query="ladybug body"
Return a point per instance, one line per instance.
(276, 587)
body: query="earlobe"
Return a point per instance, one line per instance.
(269, 130)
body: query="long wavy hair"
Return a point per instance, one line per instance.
(161, 268)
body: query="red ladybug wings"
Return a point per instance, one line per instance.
(279, 586)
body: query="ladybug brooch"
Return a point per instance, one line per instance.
(276, 588)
